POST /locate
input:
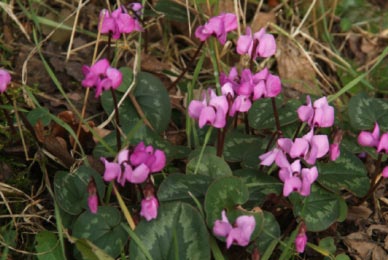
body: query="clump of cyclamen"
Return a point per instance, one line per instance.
(240, 232)
(373, 139)
(309, 147)
(135, 166)
(119, 21)
(217, 26)
(101, 76)
(5, 79)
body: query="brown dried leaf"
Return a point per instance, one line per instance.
(295, 70)
(359, 212)
(57, 147)
(262, 19)
(361, 244)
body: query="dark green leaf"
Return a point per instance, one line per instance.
(90, 251)
(210, 165)
(179, 232)
(48, 246)
(236, 145)
(102, 229)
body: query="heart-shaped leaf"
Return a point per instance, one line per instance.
(210, 165)
(102, 229)
(318, 210)
(177, 187)
(236, 145)
(179, 232)
(347, 172)
(151, 96)
(364, 111)
(48, 246)
(71, 188)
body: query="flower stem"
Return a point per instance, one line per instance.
(124, 208)
(276, 115)
(207, 137)
(118, 139)
(375, 182)
(187, 67)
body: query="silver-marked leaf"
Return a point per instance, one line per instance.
(318, 210)
(224, 193)
(270, 233)
(71, 188)
(210, 165)
(364, 111)
(347, 172)
(261, 115)
(151, 96)
(102, 229)
(177, 187)
(236, 144)
(178, 232)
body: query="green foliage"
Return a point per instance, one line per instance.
(210, 165)
(47, 246)
(103, 229)
(179, 232)
(71, 188)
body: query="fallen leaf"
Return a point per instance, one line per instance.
(262, 19)
(358, 212)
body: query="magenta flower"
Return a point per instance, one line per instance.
(217, 26)
(93, 203)
(300, 242)
(310, 147)
(118, 22)
(334, 151)
(369, 139)
(5, 79)
(149, 208)
(383, 143)
(101, 76)
(240, 233)
(278, 154)
(320, 114)
(385, 172)
(266, 85)
(135, 166)
(211, 110)
(266, 44)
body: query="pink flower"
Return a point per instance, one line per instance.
(5, 79)
(320, 114)
(385, 172)
(266, 44)
(300, 242)
(211, 110)
(310, 147)
(101, 76)
(93, 203)
(149, 208)
(118, 22)
(134, 166)
(334, 151)
(240, 233)
(266, 85)
(369, 139)
(383, 143)
(217, 26)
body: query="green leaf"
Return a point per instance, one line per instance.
(173, 11)
(39, 113)
(90, 251)
(347, 172)
(152, 97)
(47, 246)
(270, 234)
(224, 193)
(102, 229)
(177, 187)
(327, 244)
(127, 79)
(364, 111)
(179, 232)
(261, 116)
(210, 165)
(236, 144)
(71, 188)
(318, 210)
(259, 184)
(342, 257)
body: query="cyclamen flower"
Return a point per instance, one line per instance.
(301, 239)
(101, 76)
(320, 114)
(266, 44)
(211, 110)
(134, 166)
(118, 22)
(240, 233)
(217, 26)
(92, 198)
(385, 172)
(5, 79)
(373, 139)
(149, 208)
